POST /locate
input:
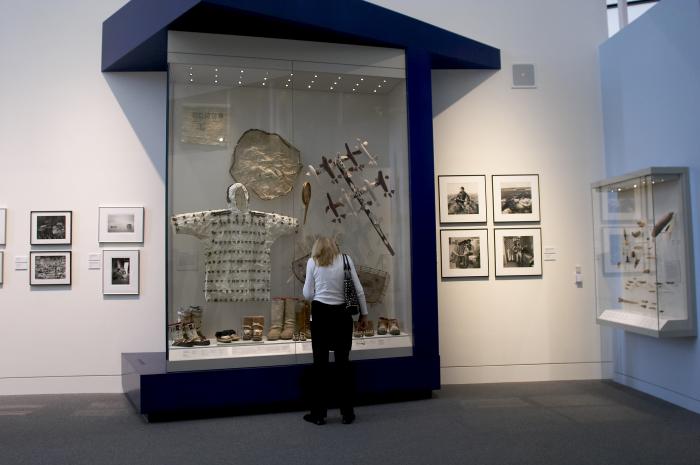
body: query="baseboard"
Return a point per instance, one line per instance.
(61, 385)
(660, 392)
(525, 373)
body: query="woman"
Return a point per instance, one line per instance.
(331, 326)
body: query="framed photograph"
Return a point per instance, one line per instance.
(518, 252)
(464, 252)
(3, 225)
(2, 261)
(462, 199)
(49, 268)
(623, 204)
(51, 228)
(120, 272)
(516, 198)
(120, 224)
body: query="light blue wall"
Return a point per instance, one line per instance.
(650, 76)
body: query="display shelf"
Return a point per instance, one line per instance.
(643, 241)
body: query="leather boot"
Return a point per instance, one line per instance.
(276, 318)
(289, 319)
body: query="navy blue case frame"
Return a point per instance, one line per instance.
(135, 39)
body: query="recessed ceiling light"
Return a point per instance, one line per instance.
(375, 91)
(216, 70)
(315, 75)
(354, 90)
(263, 83)
(191, 80)
(216, 75)
(216, 82)
(331, 87)
(383, 80)
(190, 67)
(379, 85)
(335, 83)
(241, 71)
(239, 83)
(291, 74)
(309, 87)
(190, 74)
(362, 79)
(265, 79)
(340, 77)
(286, 85)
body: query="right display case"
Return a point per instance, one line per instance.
(644, 253)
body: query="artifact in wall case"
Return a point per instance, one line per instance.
(394, 329)
(374, 282)
(663, 225)
(328, 166)
(357, 329)
(227, 336)
(289, 319)
(306, 198)
(276, 319)
(266, 163)
(204, 125)
(626, 301)
(177, 336)
(369, 329)
(382, 326)
(253, 327)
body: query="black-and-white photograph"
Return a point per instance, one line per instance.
(3, 223)
(518, 252)
(47, 268)
(462, 199)
(516, 198)
(123, 223)
(120, 271)
(464, 253)
(120, 224)
(50, 267)
(51, 227)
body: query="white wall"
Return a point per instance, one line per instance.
(651, 100)
(74, 138)
(524, 329)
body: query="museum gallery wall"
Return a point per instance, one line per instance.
(116, 159)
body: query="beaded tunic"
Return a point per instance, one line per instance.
(236, 249)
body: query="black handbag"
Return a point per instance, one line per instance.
(352, 305)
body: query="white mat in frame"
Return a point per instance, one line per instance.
(464, 253)
(518, 251)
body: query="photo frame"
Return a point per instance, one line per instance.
(51, 227)
(464, 253)
(120, 272)
(518, 252)
(2, 270)
(462, 199)
(120, 225)
(3, 226)
(621, 205)
(50, 268)
(516, 198)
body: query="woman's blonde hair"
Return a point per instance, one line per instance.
(324, 251)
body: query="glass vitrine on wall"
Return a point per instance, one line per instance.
(643, 253)
(271, 144)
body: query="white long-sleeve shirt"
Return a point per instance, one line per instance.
(325, 283)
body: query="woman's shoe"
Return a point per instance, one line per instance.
(382, 326)
(369, 329)
(315, 420)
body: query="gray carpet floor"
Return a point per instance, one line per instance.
(582, 422)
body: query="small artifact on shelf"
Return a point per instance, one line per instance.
(227, 336)
(626, 301)
(382, 326)
(369, 329)
(394, 329)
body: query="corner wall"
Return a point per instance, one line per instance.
(73, 139)
(501, 330)
(651, 102)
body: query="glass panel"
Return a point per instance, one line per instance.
(260, 122)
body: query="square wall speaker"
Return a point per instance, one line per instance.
(524, 76)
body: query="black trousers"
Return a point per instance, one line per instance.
(331, 329)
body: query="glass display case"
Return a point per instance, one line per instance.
(272, 143)
(643, 253)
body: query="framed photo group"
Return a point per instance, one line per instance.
(464, 252)
(120, 267)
